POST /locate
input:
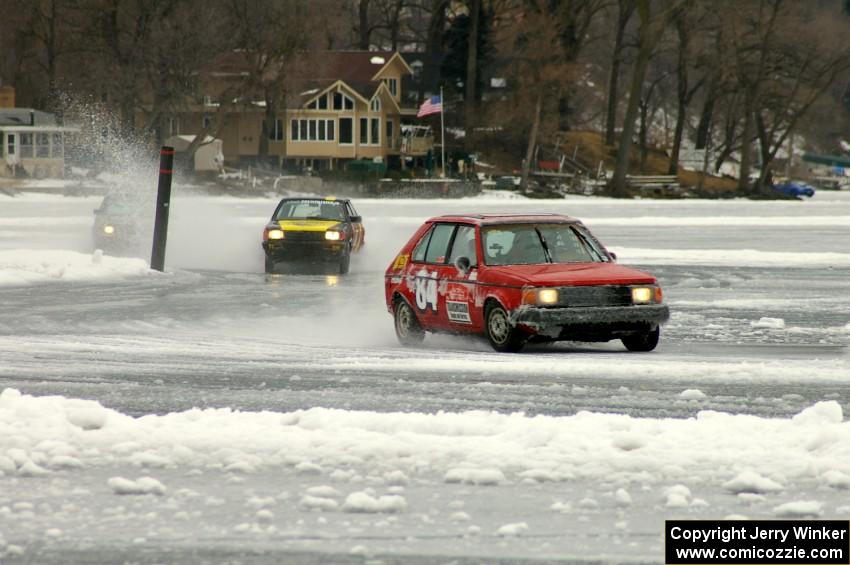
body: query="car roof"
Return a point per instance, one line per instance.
(494, 219)
(314, 198)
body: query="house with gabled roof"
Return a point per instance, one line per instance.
(341, 106)
(32, 142)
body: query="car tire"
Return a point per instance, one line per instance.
(643, 341)
(407, 328)
(501, 333)
(345, 262)
(270, 266)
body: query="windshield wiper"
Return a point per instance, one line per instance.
(545, 246)
(589, 247)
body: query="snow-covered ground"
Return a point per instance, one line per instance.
(212, 412)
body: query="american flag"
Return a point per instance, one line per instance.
(432, 105)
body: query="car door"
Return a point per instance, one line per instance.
(357, 229)
(460, 285)
(426, 268)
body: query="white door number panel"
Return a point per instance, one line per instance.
(426, 291)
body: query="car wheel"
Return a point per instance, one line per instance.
(502, 334)
(643, 341)
(407, 328)
(269, 265)
(345, 262)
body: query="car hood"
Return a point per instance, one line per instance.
(306, 225)
(567, 274)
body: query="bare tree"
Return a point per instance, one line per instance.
(653, 23)
(118, 42)
(625, 9)
(269, 32)
(573, 19)
(528, 36)
(469, 100)
(805, 67)
(687, 20)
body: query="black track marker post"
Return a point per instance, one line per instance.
(163, 201)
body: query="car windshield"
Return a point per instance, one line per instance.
(529, 244)
(124, 204)
(310, 210)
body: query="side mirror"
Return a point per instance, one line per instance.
(463, 265)
(612, 255)
(356, 219)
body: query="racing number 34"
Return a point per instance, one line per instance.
(426, 291)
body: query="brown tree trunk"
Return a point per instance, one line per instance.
(269, 118)
(746, 141)
(681, 95)
(704, 126)
(363, 29)
(469, 100)
(626, 9)
(618, 181)
(642, 134)
(432, 46)
(532, 138)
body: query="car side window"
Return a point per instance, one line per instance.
(438, 246)
(422, 247)
(464, 245)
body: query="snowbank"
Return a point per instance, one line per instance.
(730, 257)
(739, 453)
(29, 266)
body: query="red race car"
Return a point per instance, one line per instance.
(519, 278)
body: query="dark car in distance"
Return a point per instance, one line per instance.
(795, 189)
(123, 223)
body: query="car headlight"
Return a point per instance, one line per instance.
(540, 296)
(108, 230)
(642, 294)
(332, 235)
(275, 234)
(547, 296)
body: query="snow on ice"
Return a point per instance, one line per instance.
(42, 434)
(29, 266)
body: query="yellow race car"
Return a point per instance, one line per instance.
(313, 230)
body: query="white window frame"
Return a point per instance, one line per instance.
(42, 145)
(11, 144)
(347, 102)
(375, 105)
(353, 137)
(29, 146)
(363, 133)
(392, 86)
(373, 129)
(277, 132)
(57, 150)
(322, 129)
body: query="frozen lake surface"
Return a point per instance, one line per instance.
(272, 416)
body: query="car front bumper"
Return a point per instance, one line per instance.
(591, 323)
(281, 251)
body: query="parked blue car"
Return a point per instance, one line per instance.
(795, 189)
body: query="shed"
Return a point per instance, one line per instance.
(208, 156)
